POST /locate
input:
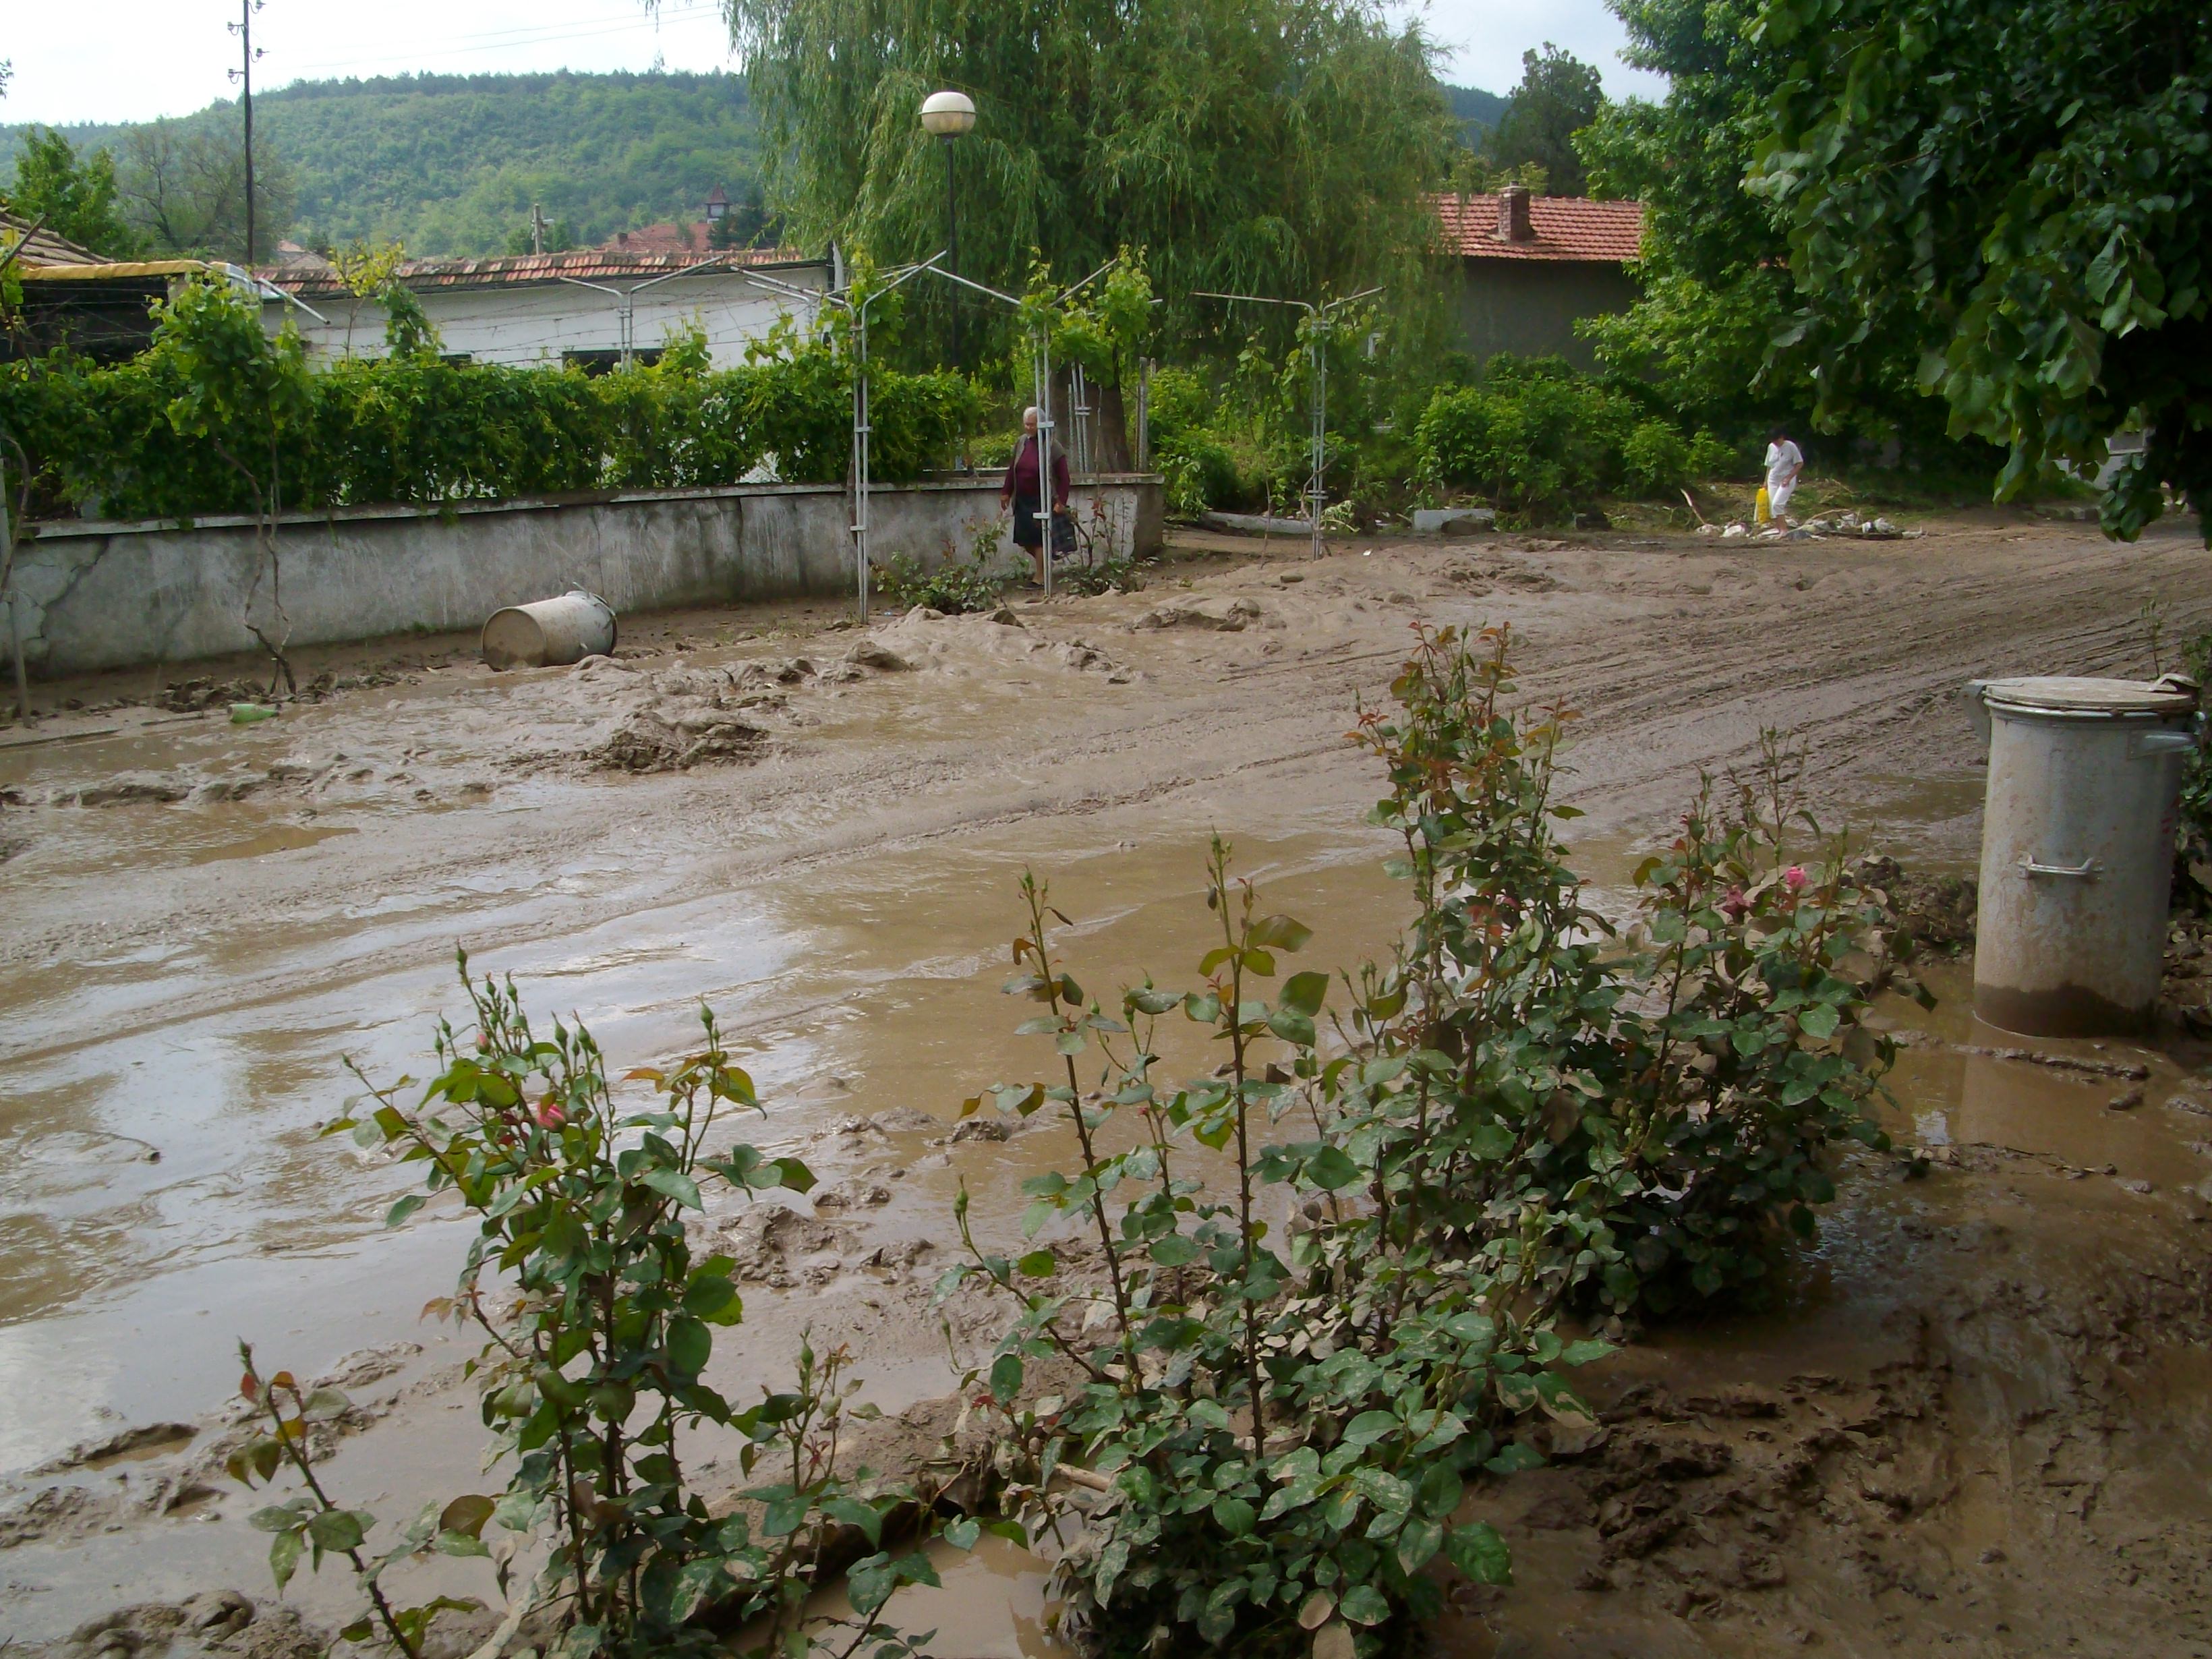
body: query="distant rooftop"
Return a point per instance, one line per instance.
(668, 237)
(1562, 227)
(586, 264)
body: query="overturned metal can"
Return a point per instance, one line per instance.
(551, 633)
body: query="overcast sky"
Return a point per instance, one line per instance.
(130, 60)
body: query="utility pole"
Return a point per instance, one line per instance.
(243, 29)
(537, 228)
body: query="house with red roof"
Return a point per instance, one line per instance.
(1530, 267)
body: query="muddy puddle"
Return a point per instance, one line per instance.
(164, 1190)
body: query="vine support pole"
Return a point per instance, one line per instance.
(1041, 368)
(1320, 319)
(863, 428)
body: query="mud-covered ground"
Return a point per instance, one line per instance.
(1977, 1422)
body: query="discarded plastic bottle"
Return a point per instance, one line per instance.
(245, 714)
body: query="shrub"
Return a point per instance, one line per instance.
(1535, 437)
(1200, 472)
(600, 1319)
(411, 429)
(1522, 1118)
(955, 586)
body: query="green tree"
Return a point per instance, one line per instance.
(1720, 332)
(182, 186)
(1266, 146)
(560, 236)
(2024, 188)
(76, 197)
(1558, 97)
(244, 396)
(1715, 284)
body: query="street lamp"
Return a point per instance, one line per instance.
(946, 115)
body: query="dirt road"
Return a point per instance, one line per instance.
(203, 920)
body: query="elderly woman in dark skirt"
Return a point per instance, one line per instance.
(1022, 488)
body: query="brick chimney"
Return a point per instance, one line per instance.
(1513, 221)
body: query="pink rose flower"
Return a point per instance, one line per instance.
(1794, 877)
(550, 1114)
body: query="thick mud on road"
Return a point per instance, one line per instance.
(1977, 1423)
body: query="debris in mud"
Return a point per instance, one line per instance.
(214, 1622)
(2132, 1071)
(146, 1437)
(1221, 616)
(1485, 575)
(196, 696)
(868, 653)
(858, 1193)
(54, 1509)
(1936, 912)
(666, 738)
(131, 788)
(769, 1241)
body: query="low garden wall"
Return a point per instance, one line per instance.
(117, 595)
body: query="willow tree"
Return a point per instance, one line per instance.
(1276, 147)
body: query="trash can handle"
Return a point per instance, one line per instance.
(2087, 871)
(1978, 712)
(2149, 744)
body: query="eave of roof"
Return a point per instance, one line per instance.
(111, 271)
(1568, 229)
(584, 264)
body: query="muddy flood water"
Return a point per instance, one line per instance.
(1979, 1421)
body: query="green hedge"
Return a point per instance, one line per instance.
(174, 433)
(1534, 436)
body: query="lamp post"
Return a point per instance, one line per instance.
(945, 115)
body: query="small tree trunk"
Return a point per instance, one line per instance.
(1113, 450)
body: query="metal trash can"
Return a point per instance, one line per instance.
(551, 633)
(2077, 849)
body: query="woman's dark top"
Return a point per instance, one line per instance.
(1022, 476)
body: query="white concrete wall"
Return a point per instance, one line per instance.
(97, 596)
(532, 324)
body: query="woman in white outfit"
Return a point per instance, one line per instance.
(1784, 461)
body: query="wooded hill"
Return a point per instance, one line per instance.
(449, 164)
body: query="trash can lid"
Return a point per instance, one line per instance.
(2069, 694)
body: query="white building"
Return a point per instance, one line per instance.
(587, 306)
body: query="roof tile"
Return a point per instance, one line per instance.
(44, 247)
(1568, 228)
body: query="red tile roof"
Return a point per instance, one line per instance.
(44, 247)
(668, 237)
(1566, 226)
(590, 264)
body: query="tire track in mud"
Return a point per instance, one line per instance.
(1868, 673)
